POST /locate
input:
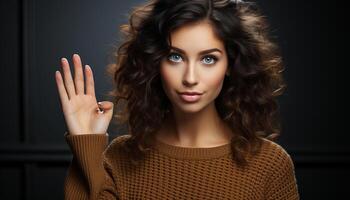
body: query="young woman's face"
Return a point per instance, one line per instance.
(196, 63)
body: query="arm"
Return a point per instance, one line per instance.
(282, 184)
(89, 175)
(87, 123)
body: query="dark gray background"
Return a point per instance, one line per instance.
(35, 34)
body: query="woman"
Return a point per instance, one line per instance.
(200, 80)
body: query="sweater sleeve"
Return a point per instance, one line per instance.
(282, 184)
(90, 175)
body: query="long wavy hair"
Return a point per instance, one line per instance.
(247, 101)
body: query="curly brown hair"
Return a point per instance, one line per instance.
(247, 101)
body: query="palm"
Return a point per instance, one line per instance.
(80, 109)
(80, 104)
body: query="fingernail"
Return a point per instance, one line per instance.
(99, 103)
(63, 59)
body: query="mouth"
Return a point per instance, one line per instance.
(190, 97)
(191, 93)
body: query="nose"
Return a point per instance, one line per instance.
(190, 77)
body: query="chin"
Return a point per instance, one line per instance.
(191, 107)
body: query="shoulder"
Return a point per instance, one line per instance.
(115, 146)
(279, 178)
(275, 156)
(274, 149)
(119, 140)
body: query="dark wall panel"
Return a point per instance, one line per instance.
(10, 182)
(323, 182)
(10, 78)
(58, 29)
(49, 177)
(311, 35)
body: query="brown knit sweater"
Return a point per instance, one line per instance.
(102, 171)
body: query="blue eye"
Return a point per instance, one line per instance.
(211, 60)
(175, 57)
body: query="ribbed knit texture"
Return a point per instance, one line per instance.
(98, 171)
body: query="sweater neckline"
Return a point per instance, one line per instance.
(192, 152)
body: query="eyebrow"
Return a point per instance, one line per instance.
(200, 53)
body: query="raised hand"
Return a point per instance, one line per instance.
(82, 113)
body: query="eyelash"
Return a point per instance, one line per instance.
(208, 56)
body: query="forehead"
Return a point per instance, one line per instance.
(196, 37)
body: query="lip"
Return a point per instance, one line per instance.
(191, 93)
(190, 97)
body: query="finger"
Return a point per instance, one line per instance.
(68, 78)
(105, 105)
(61, 89)
(90, 84)
(78, 74)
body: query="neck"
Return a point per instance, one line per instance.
(201, 129)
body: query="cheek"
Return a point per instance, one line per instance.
(214, 86)
(168, 78)
(214, 81)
